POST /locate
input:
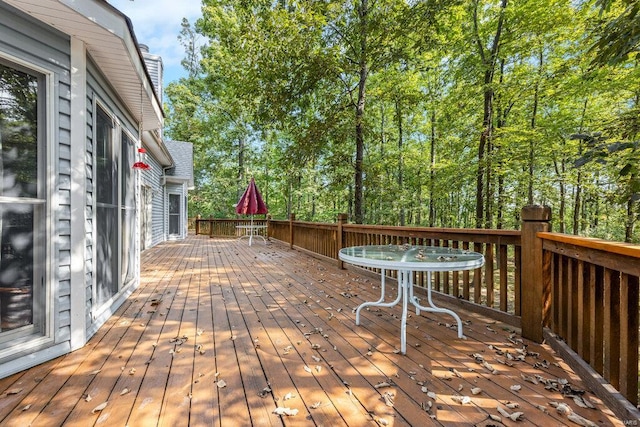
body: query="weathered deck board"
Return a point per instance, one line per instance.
(210, 310)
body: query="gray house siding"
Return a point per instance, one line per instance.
(99, 93)
(23, 38)
(152, 179)
(83, 68)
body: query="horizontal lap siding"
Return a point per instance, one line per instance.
(98, 89)
(28, 40)
(151, 178)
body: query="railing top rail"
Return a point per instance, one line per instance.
(626, 249)
(493, 232)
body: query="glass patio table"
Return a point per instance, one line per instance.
(407, 260)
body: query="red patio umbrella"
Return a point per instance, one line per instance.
(251, 203)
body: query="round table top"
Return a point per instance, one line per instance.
(414, 258)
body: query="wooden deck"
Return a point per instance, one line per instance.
(220, 333)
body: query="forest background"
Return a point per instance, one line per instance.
(398, 112)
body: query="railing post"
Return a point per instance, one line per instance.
(210, 225)
(535, 282)
(292, 218)
(268, 226)
(342, 219)
(197, 224)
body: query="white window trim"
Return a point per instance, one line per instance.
(48, 174)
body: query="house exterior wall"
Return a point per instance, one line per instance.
(37, 47)
(69, 245)
(100, 95)
(75, 89)
(152, 179)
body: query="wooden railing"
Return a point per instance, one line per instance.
(593, 291)
(223, 227)
(582, 295)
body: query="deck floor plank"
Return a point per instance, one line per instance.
(242, 337)
(381, 351)
(331, 409)
(251, 316)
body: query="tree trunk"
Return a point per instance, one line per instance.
(364, 70)
(534, 114)
(432, 171)
(402, 213)
(489, 60)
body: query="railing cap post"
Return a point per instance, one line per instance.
(342, 217)
(536, 213)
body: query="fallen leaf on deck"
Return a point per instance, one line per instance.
(100, 407)
(97, 371)
(221, 384)
(307, 369)
(288, 396)
(463, 400)
(383, 384)
(565, 409)
(383, 422)
(388, 398)
(476, 390)
(583, 403)
(432, 395)
(516, 387)
(12, 392)
(285, 411)
(265, 392)
(315, 405)
(514, 417)
(132, 371)
(26, 407)
(124, 391)
(88, 398)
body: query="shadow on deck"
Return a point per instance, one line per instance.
(220, 333)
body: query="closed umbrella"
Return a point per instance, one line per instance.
(251, 203)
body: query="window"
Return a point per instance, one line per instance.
(174, 214)
(116, 246)
(106, 210)
(22, 201)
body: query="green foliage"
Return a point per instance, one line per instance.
(275, 92)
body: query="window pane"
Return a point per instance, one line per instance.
(106, 167)
(106, 252)
(174, 214)
(18, 133)
(17, 265)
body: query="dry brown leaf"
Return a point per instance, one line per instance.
(100, 407)
(388, 398)
(285, 411)
(463, 400)
(11, 392)
(383, 384)
(581, 420)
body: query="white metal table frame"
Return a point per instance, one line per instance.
(252, 230)
(407, 260)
